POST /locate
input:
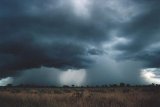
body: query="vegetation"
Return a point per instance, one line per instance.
(119, 96)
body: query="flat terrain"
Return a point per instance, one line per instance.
(80, 97)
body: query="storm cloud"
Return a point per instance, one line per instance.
(88, 36)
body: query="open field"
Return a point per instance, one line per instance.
(80, 97)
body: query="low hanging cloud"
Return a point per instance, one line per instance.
(48, 76)
(109, 38)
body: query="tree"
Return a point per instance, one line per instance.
(9, 85)
(122, 85)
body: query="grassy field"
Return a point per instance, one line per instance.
(80, 97)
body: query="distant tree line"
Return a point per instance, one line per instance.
(87, 86)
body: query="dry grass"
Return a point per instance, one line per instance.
(100, 97)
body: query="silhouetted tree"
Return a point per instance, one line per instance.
(106, 85)
(66, 86)
(9, 85)
(128, 85)
(122, 85)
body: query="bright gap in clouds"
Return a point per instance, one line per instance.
(151, 75)
(5, 81)
(81, 7)
(73, 77)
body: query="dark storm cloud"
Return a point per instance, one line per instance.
(34, 35)
(143, 31)
(66, 34)
(22, 54)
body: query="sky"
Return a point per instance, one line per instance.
(80, 42)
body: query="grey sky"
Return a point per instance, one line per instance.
(104, 38)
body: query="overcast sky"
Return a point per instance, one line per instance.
(95, 42)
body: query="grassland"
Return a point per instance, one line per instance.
(80, 97)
